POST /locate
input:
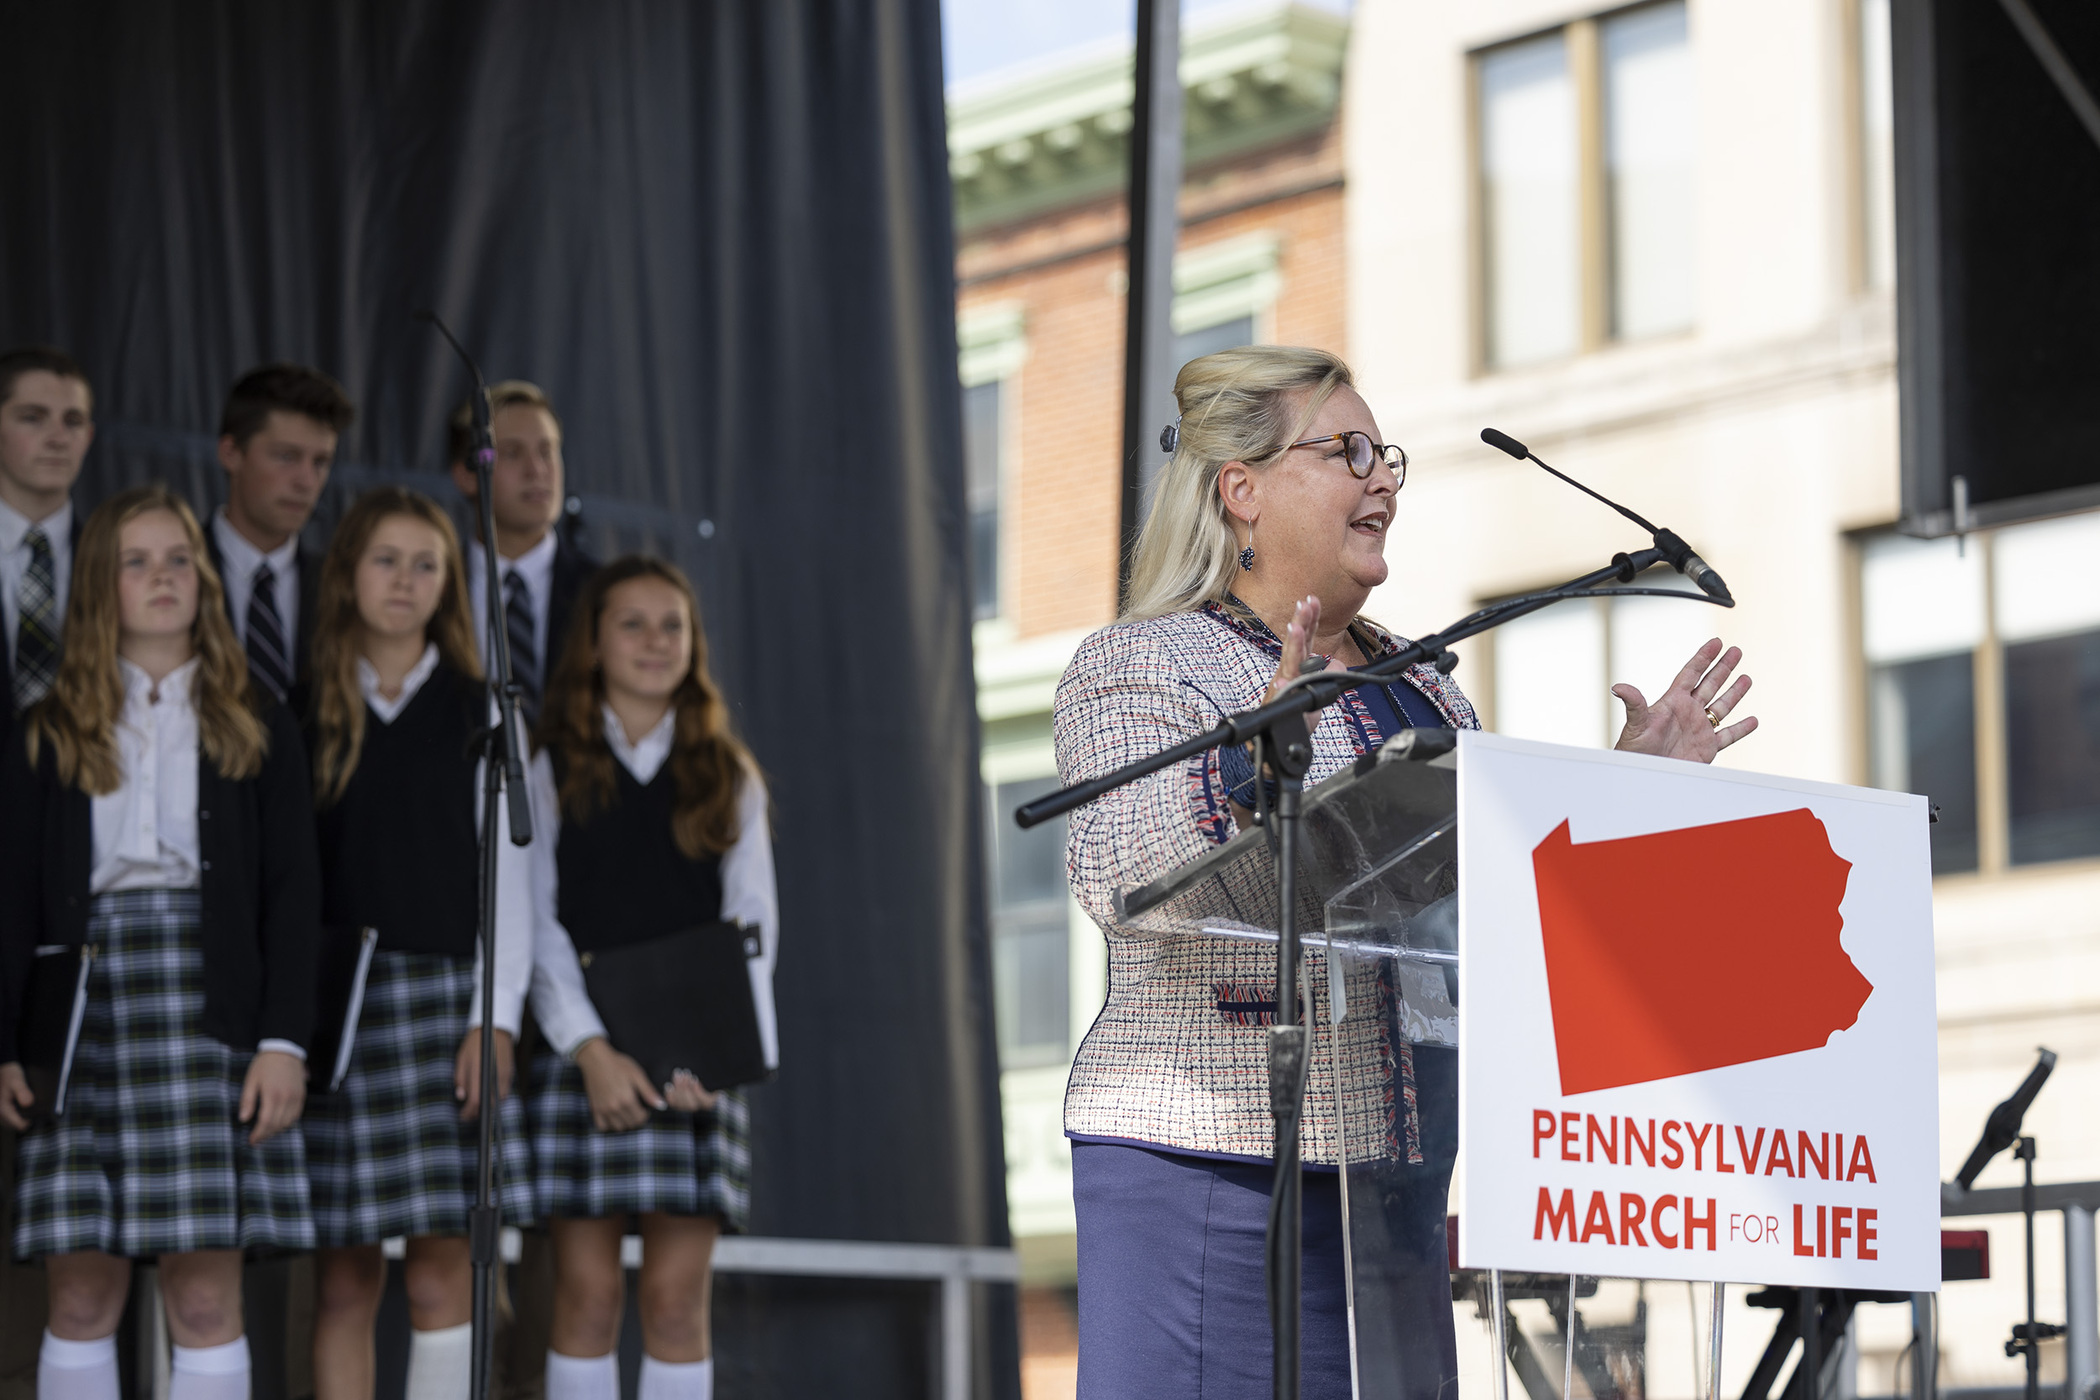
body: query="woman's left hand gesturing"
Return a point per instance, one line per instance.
(1687, 721)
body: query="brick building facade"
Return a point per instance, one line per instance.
(1037, 157)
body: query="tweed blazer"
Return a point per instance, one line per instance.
(1178, 1055)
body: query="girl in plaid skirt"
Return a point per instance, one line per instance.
(396, 707)
(652, 820)
(156, 815)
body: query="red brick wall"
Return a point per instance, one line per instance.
(1059, 514)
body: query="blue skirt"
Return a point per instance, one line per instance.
(1173, 1300)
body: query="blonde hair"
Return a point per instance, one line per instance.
(79, 717)
(1236, 406)
(338, 701)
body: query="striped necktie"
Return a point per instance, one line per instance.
(268, 656)
(36, 634)
(524, 646)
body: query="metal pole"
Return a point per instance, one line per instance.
(2024, 1150)
(1925, 1347)
(1286, 1064)
(1810, 1312)
(1155, 227)
(1713, 1343)
(955, 1333)
(1567, 1359)
(1498, 1328)
(2081, 1306)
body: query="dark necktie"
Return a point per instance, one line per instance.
(36, 634)
(268, 656)
(524, 650)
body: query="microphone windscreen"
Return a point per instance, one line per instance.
(1496, 438)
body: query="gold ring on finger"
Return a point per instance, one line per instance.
(1712, 718)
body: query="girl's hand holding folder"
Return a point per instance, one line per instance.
(14, 1096)
(687, 1094)
(620, 1091)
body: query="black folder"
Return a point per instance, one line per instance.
(682, 1001)
(346, 963)
(53, 1009)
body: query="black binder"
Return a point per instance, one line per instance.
(54, 1007)
(346, 962)
(682, 1001)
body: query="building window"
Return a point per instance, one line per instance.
(2048, 623)
(1587, 186)
(1649, 119)
(1031, 964)
(1530, 202)
(1222, 295)
(1983, 688)
(1225, 335)
(981, 472)
(1554, 669)
(992, 346)
(1223, 292)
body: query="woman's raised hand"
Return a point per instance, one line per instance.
(1686, 722)
(1297, 645)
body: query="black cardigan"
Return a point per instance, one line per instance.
(261, 886)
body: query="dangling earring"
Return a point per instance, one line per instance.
(1247, 554)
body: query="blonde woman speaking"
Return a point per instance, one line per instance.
(1267, 535)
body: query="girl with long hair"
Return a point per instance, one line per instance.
(652, 819)
(395, 709)
(157, 822)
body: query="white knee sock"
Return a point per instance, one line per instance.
(77, 1370)
(440, 1363)
(211, 1373)
(675, 1380)
(583, 1377)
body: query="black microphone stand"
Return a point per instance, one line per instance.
(502, 772)
(2000, 1131)
(1285, 744)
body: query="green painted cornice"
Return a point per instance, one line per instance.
(1034, 138)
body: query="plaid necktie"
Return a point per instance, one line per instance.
(268, 656)
(524, 650)
(36, 634)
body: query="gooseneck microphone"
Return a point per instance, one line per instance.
(2002, 1129)
(1674, 549)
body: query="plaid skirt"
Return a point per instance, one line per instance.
(676, 1163)
(387, 1153)
(150, 1157)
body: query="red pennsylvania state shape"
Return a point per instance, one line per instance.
(1692, 949)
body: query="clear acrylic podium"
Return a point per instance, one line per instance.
(1378, 877)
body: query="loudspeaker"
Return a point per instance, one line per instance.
(1997, 259)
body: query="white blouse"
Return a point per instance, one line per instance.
(514, 864)
(560, 1001)
(146, 831)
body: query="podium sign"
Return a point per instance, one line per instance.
(1699, 1037)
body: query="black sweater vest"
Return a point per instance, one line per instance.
(399, 851)
(623, 878)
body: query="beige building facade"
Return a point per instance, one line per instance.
(1654, 243)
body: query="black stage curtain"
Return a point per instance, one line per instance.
(719, 235)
